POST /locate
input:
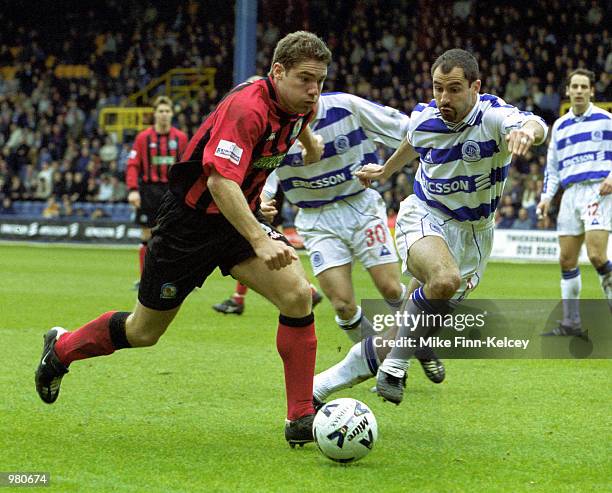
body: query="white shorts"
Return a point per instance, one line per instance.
(583, 209)
(356, 227)
(470, 244)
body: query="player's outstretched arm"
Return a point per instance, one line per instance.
(231, 202)
(400, 158)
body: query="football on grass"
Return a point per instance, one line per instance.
(345, 430)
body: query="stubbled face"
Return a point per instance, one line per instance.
(163, 115)
(580, 92)
(299, 88)
(454, 95)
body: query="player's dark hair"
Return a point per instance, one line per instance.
(298, 47)
(457, 57)
(162, 100)
(581, 71)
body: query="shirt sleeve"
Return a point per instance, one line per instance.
(234, 134)
(381, 123)
(551, 172)
(132, 170)
(271, 186)
(507, 118)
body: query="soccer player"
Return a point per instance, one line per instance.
(207, 220)
(339, 218)
(580, 160)
(465, 142)
(154, 151)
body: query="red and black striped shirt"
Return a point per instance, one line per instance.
(244, 139)
(152, 155)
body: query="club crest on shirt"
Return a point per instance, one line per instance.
(597, 136)
(341, 144)
(296, 129)
(470, 151)
(172, 145)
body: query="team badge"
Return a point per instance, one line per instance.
(172, 145)
(168, 291)
(597, 136)
(297, 128)
(317, 259)
(470, 151)
(341, 144)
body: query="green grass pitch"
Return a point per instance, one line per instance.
(204, 409)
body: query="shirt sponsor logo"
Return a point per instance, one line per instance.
(159, 160)
(328, 181)
(229, 150)
(470, 151)
(445, 188)
(268, 162)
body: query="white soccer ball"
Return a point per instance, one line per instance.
(345, 430)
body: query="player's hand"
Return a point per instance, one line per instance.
(520, 141)
(542, 208)
(606, 186)
(134, 199)
(268, 209)
(369, 172)
(316, 153)
(274, 253)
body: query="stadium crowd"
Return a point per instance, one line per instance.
(52, 150)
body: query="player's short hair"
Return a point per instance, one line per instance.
(457, 57)
(581, 71)
(162, 100)
(298, 47)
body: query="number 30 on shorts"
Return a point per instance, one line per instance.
(375, 235)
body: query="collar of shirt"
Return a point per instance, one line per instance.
(586, 114)
(468, 120)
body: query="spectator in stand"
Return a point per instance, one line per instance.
(7, 208)
(522, 221)
(52, 209)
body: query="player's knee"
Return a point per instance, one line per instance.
(345, 309)
(567, 262)
(390, 290)
(597, 259)
(444, 285)
(296, 299)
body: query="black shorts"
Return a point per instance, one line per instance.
(185, 248)
(151, 195)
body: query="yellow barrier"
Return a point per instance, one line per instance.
(176, 82)
(565, 106)
(116, 121)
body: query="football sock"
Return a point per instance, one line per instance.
(397, 303)
(357, 327)
(238, 296)
(605, 280)
(101, 336)
(418, 305)
(571, 284)
(358, 365)
(142, 252)
(296, 343)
